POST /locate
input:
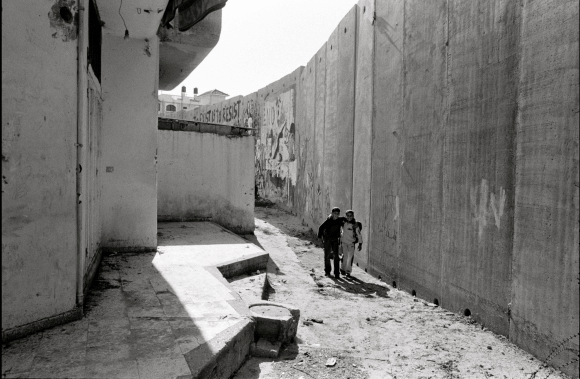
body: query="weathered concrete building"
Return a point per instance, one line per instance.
(451, 128)
(79, 140)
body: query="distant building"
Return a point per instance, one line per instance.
(173, 106)
(177, 106)
(212, 97)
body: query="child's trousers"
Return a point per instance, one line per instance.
(348, 257)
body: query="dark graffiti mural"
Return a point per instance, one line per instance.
(275, 149)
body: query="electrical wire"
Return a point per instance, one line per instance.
(126, 30)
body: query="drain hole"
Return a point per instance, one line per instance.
(436, 302)
(66, 14)
(413, 293)
(394, 284)
(467, 312)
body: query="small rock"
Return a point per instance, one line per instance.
(489, 348)
(257, 271)
(368, 319)
(317, 320)
(307, 323)
(331, 362)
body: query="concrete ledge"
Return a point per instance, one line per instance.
(45, 323)
(224, 354)
(238, 304)
(245, 265)
(171, 218)
(132, 249)
(281, 328)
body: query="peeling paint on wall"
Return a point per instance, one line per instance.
(63, 18)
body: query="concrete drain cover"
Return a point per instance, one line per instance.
(271, 311)
(276, 323)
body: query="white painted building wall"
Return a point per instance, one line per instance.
(39, 118)
(128, 163)
(205, 175)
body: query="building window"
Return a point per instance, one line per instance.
(95, 38)
(184, 107)
(170, 108)
(158, 107)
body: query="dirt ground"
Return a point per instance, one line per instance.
(370, 328)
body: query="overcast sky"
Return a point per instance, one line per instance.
(263, 40)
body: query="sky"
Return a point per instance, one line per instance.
(263, 40)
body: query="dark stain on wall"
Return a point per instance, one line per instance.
(64, 20)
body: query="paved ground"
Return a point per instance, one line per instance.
(144, 312)
(371, 328)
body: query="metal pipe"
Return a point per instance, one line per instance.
(82, 85)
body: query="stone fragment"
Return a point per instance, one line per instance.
(330, 362)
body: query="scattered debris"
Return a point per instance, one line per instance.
(331, 362)
(316, 320)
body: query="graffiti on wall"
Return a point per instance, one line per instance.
(275, 148)
(485, 204)
(227, 112)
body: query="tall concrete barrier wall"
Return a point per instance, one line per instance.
(451, 129)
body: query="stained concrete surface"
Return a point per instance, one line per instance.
(144, 312)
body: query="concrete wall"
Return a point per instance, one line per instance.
(206, 175)
(38, 164)
(451, 129)
(544, 300)
(128, 163)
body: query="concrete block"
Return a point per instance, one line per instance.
(424, 112)
(363, 113)
(478, 164)
(545, 294)
(329, 191)
(265, 349)
(275, 321)
(345, 109)
(386, 165)
(244, 265)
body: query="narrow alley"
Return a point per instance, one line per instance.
(155, 226)
(373, 329)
